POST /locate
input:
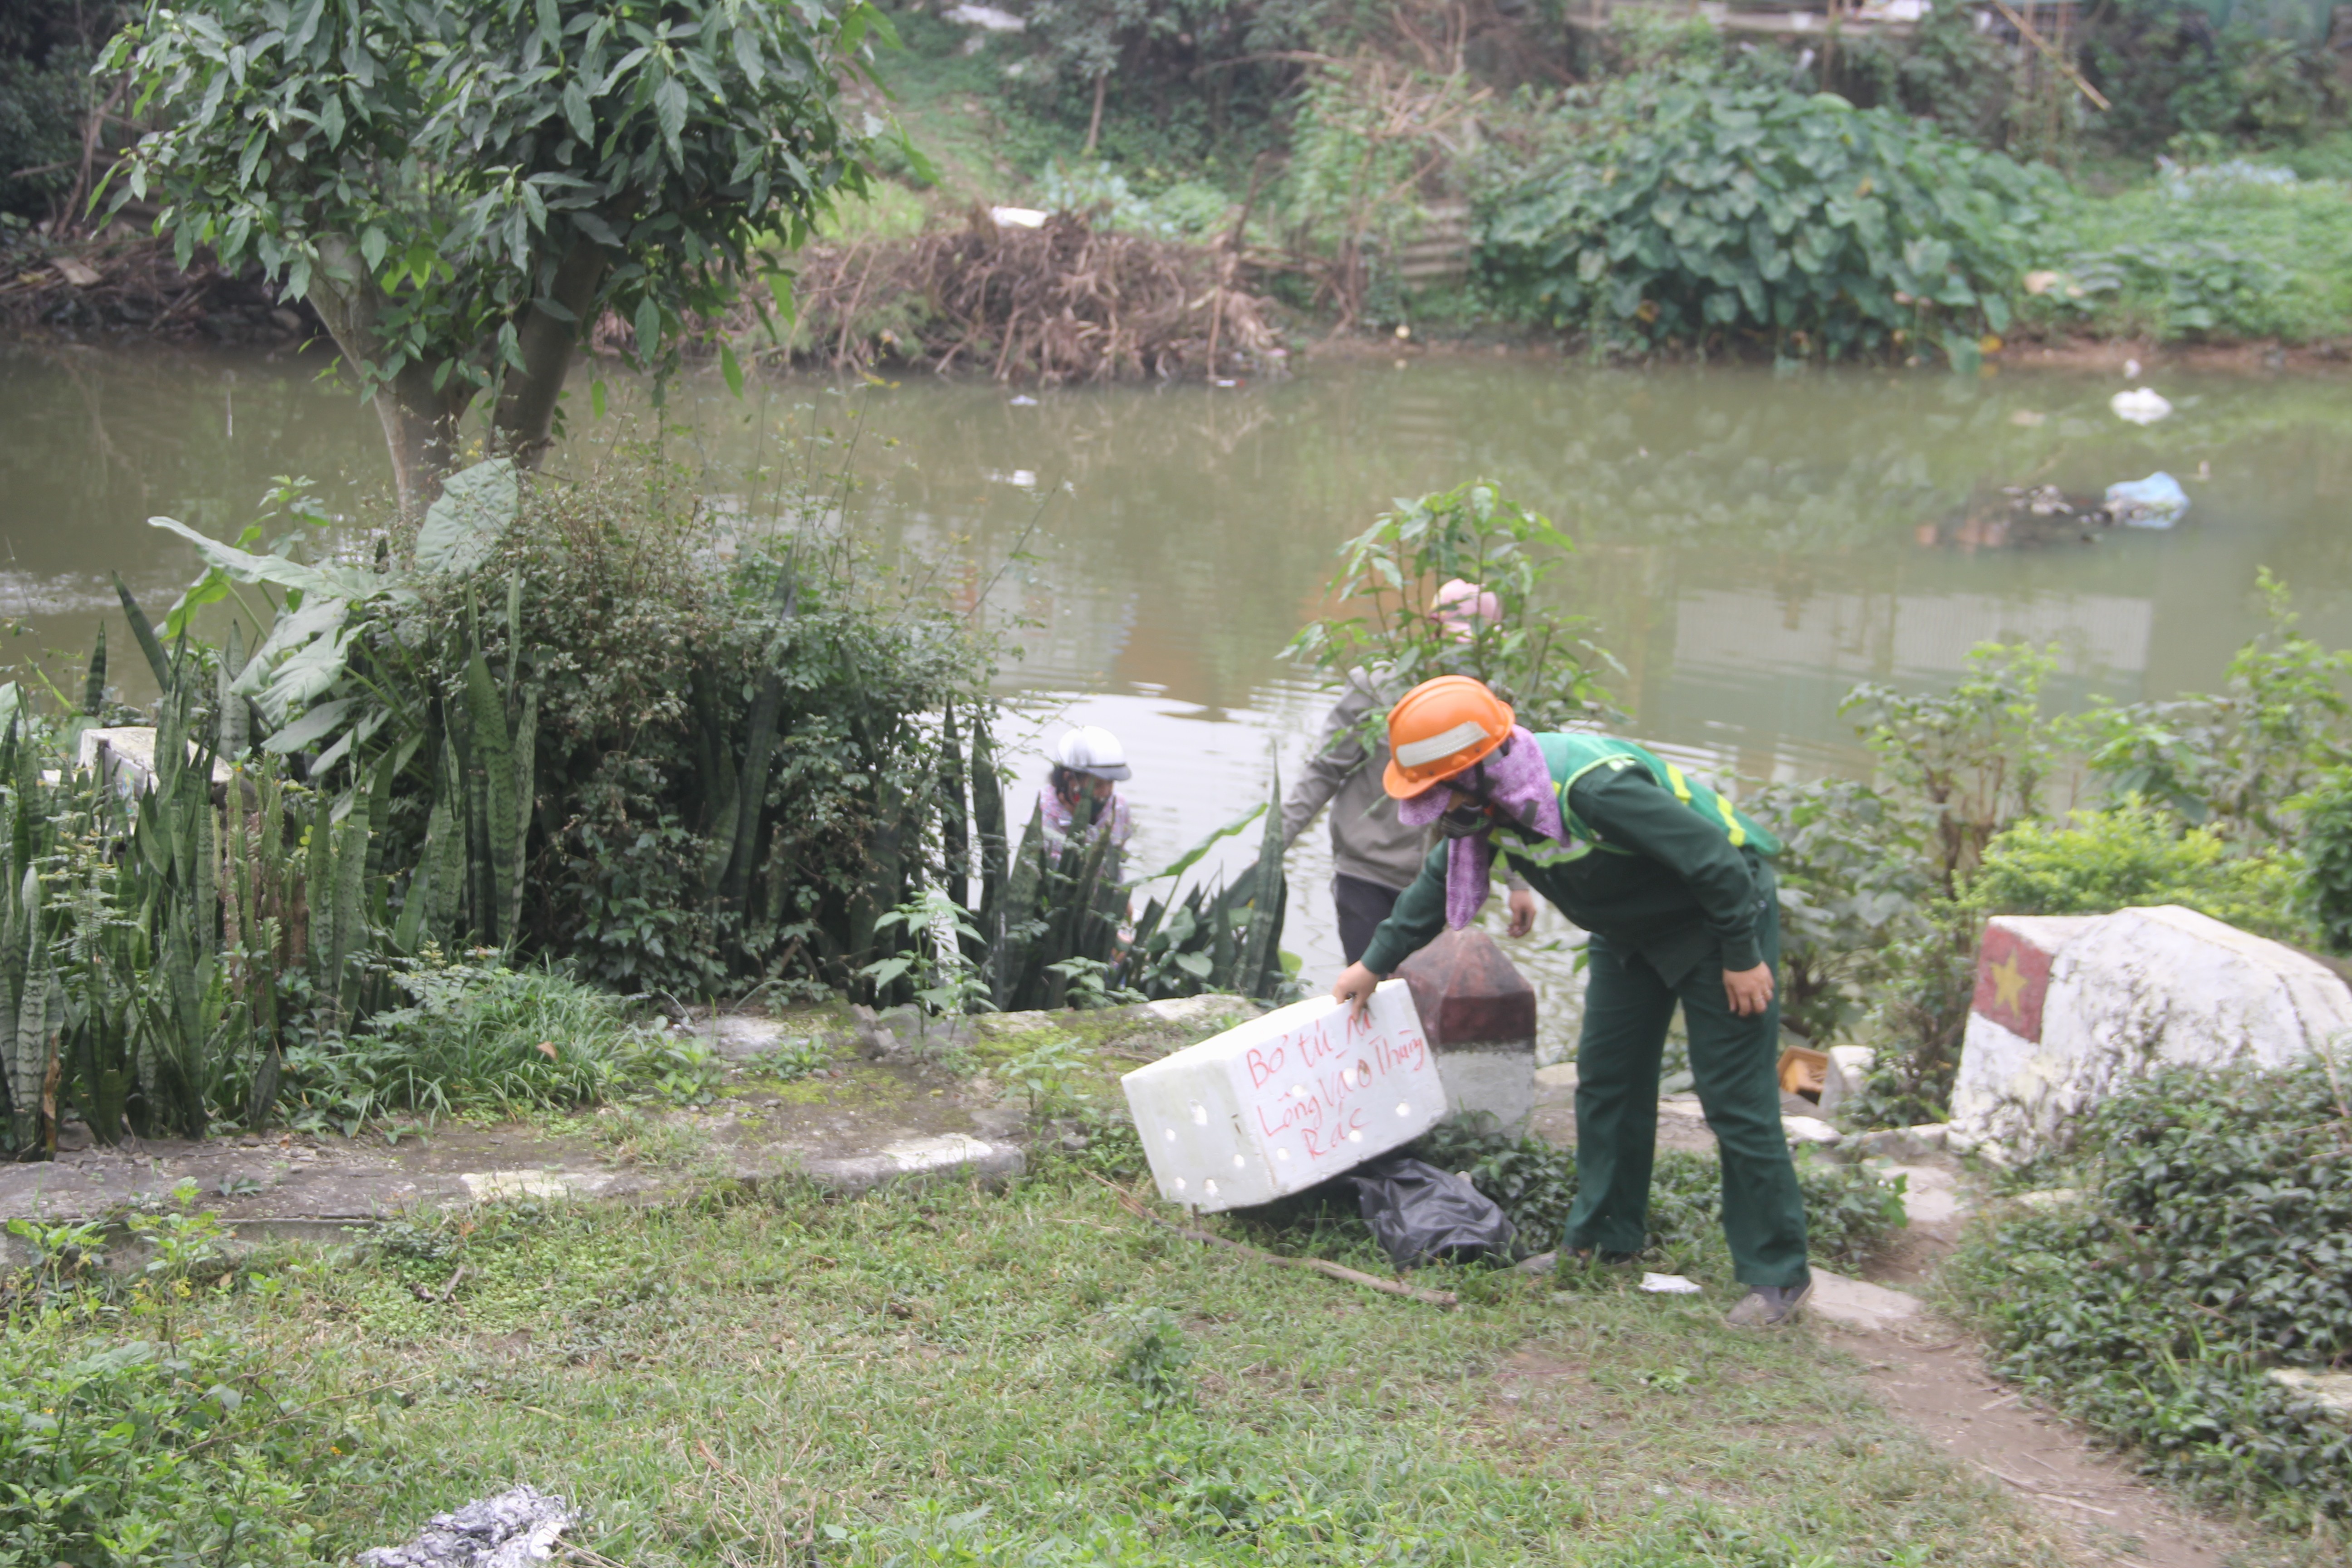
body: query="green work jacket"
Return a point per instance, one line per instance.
(1652, 867)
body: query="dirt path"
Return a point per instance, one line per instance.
(1932, 1376)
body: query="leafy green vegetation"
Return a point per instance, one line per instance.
(1699, 209)
(2208, 801)
(2200, 1244)
(1390, 574)
(2212, 252)
(471, 1038)
(2134, 854)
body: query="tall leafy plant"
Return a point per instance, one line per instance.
(1697, 210)
(1540, 660)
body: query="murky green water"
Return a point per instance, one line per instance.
(1751, 545)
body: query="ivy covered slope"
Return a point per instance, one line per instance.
(2209, 1243)
(1736, 214)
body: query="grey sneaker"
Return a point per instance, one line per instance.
(1769, 1306)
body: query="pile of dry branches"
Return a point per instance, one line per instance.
(126, 283)
(1065, 301)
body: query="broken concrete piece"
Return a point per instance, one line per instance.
(127, 753)
(1929, 1196)
(1479, 1013)
(951, 1154)
(512, 1529)
(1282, 1102)
(2331, 1391)
(1848, 1070)
(1899, 1143)
(1810, 1130)
(1194, 1012)
(491, 1186)
(1859, 1304)
(2068, 1009)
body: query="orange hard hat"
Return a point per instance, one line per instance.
(1440, 728)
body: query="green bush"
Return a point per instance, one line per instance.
(2211, 1243)
(1690, 210)
(2225, 251)
(2325, 896)
(645, 624)
(133, 1452)
(2134, 854)
(1848, 1211)
(473, 1037)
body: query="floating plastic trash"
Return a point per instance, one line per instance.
(2155, 501)
(2142, 406)
(1023, 400)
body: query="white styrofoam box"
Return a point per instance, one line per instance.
(1284, 1101)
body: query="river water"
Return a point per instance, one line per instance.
(1750, 544)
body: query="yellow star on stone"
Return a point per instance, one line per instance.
(2008, 980)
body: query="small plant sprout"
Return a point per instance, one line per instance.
(936, 929)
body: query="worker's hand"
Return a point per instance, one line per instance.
(1750, 991)
(1355, 986)
(1523, 911)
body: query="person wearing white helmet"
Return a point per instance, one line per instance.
(1089, 762)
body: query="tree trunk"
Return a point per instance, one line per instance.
(524, 423)
(420, 421)
(1093, 126)
(421, 434)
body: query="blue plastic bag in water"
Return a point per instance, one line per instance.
(2155, 501)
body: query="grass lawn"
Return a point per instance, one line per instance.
(1034, 1376)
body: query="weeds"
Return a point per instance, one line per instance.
(473, 1037)
(932, 1377)
(2206, 1247)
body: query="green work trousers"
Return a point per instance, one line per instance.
(1627, 1007)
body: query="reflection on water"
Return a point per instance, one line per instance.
(1751, 546)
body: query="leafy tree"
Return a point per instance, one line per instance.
(1541, 661)
(460, 187)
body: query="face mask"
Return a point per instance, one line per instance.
(1465, 822)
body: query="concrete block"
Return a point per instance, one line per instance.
(1810, 1130)
(1848, 1069)
(1859, 1304)
(2067, 1010)
(1284, 1101)
(950, 1155)
(129, 757)
(2331, 1391)
(1900, 1142)
(1479, 1013)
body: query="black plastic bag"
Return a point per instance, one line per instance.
(1419, 1213)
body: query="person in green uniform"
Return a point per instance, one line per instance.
(1676, 887)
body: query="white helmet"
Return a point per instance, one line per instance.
(1091, 749)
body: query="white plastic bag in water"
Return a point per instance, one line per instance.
(2155, 501)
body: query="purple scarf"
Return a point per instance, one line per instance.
(1521, 784)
